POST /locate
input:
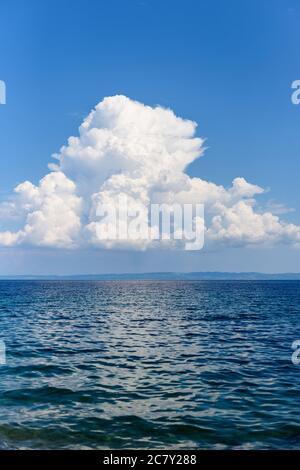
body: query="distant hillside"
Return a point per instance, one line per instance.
(164, 276)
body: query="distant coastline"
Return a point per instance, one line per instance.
(163, 276)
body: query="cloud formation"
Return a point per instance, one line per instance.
(127, 148)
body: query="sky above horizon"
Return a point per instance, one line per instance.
(228, 66)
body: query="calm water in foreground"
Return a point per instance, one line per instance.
(149, 365)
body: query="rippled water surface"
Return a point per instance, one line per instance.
(149, 364)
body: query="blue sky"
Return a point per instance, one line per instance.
(228, 65)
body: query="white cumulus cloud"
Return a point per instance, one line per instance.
(127, 148)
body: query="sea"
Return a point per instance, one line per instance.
(149, 365)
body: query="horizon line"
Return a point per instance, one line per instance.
(160, 275)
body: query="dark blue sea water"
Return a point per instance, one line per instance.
(202, 364)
